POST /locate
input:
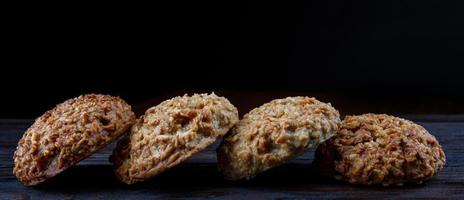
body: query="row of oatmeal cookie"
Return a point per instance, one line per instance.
(366, 149)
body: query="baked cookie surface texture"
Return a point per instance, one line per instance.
(275, 133)
(171, 132)
(380, 149)
(68, 133)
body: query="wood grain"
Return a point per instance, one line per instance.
(199, 178)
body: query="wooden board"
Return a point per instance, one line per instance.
(199, 178)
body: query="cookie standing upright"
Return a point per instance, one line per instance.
(68, 133)
(274, 133)
(171, 132)
(380, 149)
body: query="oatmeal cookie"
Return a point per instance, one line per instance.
(380, 149)
(275, 133)
(170, 133)
(68, 133)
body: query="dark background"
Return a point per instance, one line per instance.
(377, 56)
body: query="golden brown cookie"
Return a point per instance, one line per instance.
(171, 132)
(380, 149)
(68, 133)
(275, 133)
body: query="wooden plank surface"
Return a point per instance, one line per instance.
(199, 178)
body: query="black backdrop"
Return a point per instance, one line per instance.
(54, 52)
